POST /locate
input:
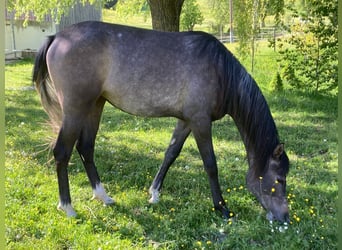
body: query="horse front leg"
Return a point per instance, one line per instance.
(202, 134)
(179, 136)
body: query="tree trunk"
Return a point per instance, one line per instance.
(165, 14)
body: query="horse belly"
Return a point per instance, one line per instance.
(148, 102)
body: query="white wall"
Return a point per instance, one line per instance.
(30, 37)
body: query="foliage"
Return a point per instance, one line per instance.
(272, 8)
(219, 9)
(165, 14)
(126, 8)
(276, 83)
(41, 8)
(312, 47)
(191, 15)
(249, 17)
(128, 156)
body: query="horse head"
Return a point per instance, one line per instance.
(270, 187)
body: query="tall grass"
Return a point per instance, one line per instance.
(128, 153)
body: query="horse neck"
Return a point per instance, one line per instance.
(249, 109)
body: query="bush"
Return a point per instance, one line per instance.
(277, 83)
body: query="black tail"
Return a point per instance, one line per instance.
(45, 87)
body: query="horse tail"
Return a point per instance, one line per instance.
(45, 87)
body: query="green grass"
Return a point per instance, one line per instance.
(128, 153)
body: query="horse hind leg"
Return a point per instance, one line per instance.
(68, 134)
(179, 136)
(85, 147)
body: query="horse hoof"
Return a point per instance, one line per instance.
(68, 209)
(109, 201)
(106, 200)
(154, 196)
(100, 194)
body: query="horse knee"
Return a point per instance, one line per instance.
(60, 153)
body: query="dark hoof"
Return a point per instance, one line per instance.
(226, 213)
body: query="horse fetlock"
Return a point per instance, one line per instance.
(67, 208)
(100, 194)
(154, 196)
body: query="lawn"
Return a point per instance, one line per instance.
(128, 153)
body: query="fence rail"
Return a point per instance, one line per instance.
(264, 34)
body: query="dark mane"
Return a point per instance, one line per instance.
(242, 99)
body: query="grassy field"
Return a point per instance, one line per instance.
(129, 151)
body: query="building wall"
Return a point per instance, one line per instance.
(19, 38)
(31, 37)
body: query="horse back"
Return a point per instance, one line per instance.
(142, 72)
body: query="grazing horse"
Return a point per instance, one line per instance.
(190, 76)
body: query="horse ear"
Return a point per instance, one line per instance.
(278, 151)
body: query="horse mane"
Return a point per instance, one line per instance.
(241, 98)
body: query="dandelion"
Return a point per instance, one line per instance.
(231, 214)
(307, 200)
(296, 218)
(172, 209)
(241, 187)
(228, 190)
(276, 181)
(208, 242)
(260, 177)
(273, 190)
